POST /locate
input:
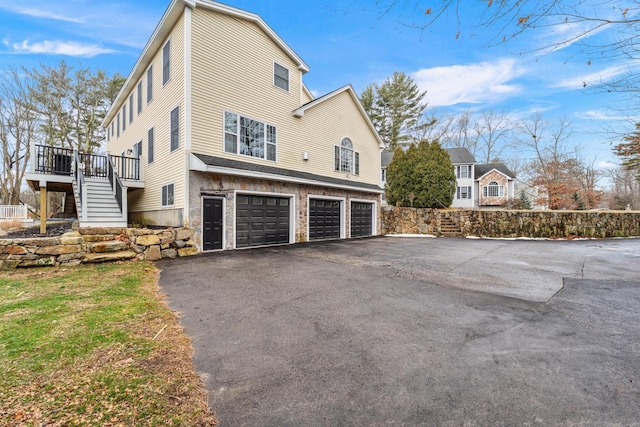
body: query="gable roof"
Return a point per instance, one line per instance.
(171, 16)
(299, 112)
(460, 155)
(482, 170)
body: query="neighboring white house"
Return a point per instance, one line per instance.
(477, 185)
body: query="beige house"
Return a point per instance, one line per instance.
(227, 139)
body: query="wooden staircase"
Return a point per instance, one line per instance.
(448, 228)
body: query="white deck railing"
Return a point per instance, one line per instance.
(13, 212)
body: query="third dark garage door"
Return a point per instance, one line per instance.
(324, 219)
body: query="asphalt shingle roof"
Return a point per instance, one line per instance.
(481, 170)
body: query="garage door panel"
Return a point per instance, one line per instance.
(262, 220)
(361, 219)
(324, 219)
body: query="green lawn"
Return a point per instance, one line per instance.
(77, 348)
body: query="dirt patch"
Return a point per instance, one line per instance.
(53, 230)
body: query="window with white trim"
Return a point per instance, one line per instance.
(175, 128)
(345, 159)
(150, 84)
(463, 192)
(167, 195)
(166, 62)
(280, 76)
(464, 171)
(249, 137)
(493, 190)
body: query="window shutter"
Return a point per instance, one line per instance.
(150, 146)
(357, 163)
(469, 192)
(458, 171)
(337, 158)
(458, 193)
(166, 62)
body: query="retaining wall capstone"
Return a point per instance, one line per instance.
(511, 223)
(89, 245)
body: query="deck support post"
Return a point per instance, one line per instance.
(43, 210)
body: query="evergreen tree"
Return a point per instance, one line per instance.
(525, 201)
(422, 176)
(394, 108)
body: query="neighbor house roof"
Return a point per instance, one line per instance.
(460, 155)
(386, 158)
(236, 167)
(163, 29)
(482, 170)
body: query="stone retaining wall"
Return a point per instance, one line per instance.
(90, 245)
(507, 223)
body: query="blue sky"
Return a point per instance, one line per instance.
(343, 41)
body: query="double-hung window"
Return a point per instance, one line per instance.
(464, 192)
(280, 76)
(464, 171)
(167, 195)
(175, 128)
(166, 62)
(345, 159)
(249, 137)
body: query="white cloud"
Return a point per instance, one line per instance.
(602, 76)
(606, 115)
(40, 13)
(60, 48)
(606, 165)
(472, 83)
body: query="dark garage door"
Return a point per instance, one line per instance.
(361, 219)
(324, 219)
(261, 220)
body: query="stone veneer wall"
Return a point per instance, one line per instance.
(507, 223)
(223, 186)
(89, 245)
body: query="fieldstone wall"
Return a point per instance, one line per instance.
(90, 245)
(509, 223)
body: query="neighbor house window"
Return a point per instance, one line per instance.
(150, 146)
(175, 128)
(345, 159)
(249, 137)
(150, 84)
(280, 76)
(464, 193)
(130, 108)
(464, 171)
(167, 195)
(493, 190)
(166, 62)
(140, 97)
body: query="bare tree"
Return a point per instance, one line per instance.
(493, 130)
(625, 189)
(18, 130)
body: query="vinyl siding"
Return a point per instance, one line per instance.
(168, 167)
(232, 69)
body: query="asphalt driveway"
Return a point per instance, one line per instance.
(416, 331)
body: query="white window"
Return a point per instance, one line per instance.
(464, 171)
(150, 84)
(175, 128)
(464, 192)
(280, 76)
(167, 195)
(166, 62)
(493, 190)
(345, 159)
(249, 137)
(140, 97)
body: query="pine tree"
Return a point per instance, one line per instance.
(525, 201)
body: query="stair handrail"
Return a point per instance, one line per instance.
(80, 184)
(116, 183)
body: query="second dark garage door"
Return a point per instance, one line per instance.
(361, 219)
(261, 220)
(324, 219)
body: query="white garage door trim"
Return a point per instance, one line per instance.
(374, 215)
(343, 210)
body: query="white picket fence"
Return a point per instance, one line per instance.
(15, 212)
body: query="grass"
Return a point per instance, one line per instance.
(77, 347)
